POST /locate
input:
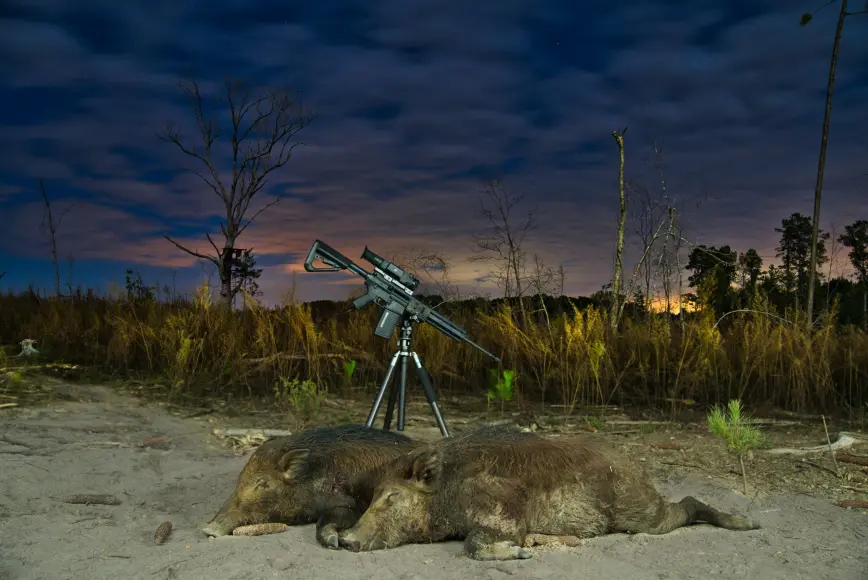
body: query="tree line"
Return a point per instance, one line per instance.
(726, 280)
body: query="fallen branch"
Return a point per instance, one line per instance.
(818, 466)
(831, 452)
(12, 441)
(844, 441)
(859, 489)
(674, 445)
(855, 459)
(853, 503)
(290, 356)
(92, 499)
(8, 405)
(691, 465)
(222, 433)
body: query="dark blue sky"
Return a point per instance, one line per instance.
(416, 102)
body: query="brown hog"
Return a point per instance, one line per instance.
(313, 476)
(496, 485)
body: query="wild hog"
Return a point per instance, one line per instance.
(496, 485)
(312, 476)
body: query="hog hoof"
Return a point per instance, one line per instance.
(328, 536)
(743, 523)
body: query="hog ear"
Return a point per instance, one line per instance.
(425, 467)
(292, 463)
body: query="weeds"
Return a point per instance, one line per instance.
(303, 398)
(570, 358)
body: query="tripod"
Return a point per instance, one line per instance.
(404, 353)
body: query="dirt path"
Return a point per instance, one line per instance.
(107, 445)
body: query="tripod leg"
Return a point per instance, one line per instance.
(390, 409)
(402, 394)
(430, 395)
(379, 400)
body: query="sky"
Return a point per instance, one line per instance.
(416, 103)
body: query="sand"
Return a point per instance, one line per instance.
(164, 467)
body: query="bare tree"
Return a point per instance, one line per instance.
(261, 140)
(544, 281)
(834, 269)
(48, 219)
(432, 270)
(622, 219)
(503, 242)
(824, 139)
(669, 261)
(649, 219)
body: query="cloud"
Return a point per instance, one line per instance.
(416, 102)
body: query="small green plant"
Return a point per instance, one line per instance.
(302, 397)
(349, 369)
(595, 422)
(736, 429)
(501, 387)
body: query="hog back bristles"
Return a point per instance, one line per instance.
(259, 529)
(92, 499)
(163, 531)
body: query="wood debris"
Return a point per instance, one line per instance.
(163, 531)
(844, 441)
(260, 529)
(92, 499)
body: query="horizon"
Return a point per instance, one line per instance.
(415, 109)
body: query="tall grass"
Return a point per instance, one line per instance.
(196, 348)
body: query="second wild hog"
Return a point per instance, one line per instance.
(495, 485)
(316, 475)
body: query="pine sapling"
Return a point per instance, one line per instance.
(501, 387)
(737, 430)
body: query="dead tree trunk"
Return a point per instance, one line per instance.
(821, 165)
(52, 233)
(622, 219)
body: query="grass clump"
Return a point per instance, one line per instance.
(736, 429)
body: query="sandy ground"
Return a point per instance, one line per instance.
(166, 467)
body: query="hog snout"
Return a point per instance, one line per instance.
(354, 543)
(218, 527)
(351, 545)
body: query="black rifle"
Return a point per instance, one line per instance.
(391, 288)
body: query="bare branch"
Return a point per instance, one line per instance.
(192, 252)
(217, 251)
(262, 209)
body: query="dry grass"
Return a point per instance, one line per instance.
(196, 349)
